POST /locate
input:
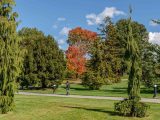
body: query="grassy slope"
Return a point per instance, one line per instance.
(54, 108)
(119, 89)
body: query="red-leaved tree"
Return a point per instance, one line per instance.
(75, 60)
(79, 41)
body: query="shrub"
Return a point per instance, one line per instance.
(70, 74)
(132, 108)
(92, 80)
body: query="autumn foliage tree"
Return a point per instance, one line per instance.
(81, 36)
(75, 60)
(79, 43)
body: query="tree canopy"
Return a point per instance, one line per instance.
(44, 62)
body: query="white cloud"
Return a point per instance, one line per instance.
(61, 19)
(65, 31)
(151, 23)
(154, 37)
(56, 24)
(93, 19)
(61, 41)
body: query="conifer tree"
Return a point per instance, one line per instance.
(112, 50)
(44, 62)
(132, 106)
(133, 53)
(10, 59)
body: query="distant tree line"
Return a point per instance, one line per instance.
(105, 54)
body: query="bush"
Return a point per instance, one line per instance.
(68, 74)
(92, 80)
(131, 108)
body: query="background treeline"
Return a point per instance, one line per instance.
(95, 58)
(105, 62)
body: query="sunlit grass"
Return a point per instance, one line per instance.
(55, 108)
(118, 89)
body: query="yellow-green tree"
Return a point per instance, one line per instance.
(10, 60)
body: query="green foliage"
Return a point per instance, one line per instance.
(6, 104)
(131, 108)
(44, 62)
(10, 60)
(150, 63)
(140, 35)
(112, 51)
(69, 74)
(92, 80)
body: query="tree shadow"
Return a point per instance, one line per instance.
(116, 90)
(76, 88)
(112, 113)
(146, 91)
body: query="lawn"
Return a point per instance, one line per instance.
(118, 89)
(55, 108)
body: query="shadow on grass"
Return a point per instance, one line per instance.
(146, 91)
(112, 113)
(116, 91)
(77, 88)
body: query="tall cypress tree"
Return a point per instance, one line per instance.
(9, 55)
(132, 106)
(133, 53)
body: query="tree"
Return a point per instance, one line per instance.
(81, 36)
(96, 67)
(132, 106)
(29, 75)
(139, 33)
(80, 41)
(151, 62)
(150, 58)
(44, 62)
(10, 60)
(112, 50)
(75, 60)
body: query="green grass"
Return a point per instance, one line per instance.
(55, 108)
(118, 89)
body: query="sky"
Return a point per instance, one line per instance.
(57, 17)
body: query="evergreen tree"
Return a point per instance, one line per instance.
(139, 33)
(10, 60)
(44, 62)
(112, 50)
(133, 53)
(132, 106)
(96, 67)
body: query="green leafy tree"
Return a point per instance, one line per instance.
(10, 60)
(150, 63)
(44, 62)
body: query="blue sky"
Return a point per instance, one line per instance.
(57, 17)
